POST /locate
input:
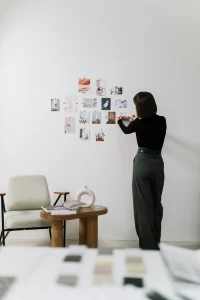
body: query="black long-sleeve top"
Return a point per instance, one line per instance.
(150, 131)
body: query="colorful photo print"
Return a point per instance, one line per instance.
(84, 134)
(89, 102)
(116, 90)
(111, 118)
(70, 125)
(101, 87)
(84, 117)
(100, 135)
(96, 117)
(55, 104)
(70, 103)
(84, 85)
(120, 103)
(106, 103)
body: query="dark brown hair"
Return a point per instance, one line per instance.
(145, 104)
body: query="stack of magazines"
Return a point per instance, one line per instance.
(68, 207)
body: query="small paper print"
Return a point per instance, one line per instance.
(67, 280)
(101, 87)
(84, 117)
(111, 118)
(96, 117)
(84, 85)
(55, 104)
(69, 125)
(70, 104)
(106, 103)
(116, 90)
(73, 258)
(134, 281)
(84, 133)
(100, 135)
(120, 103)
(103, 272)
(89, 102)
(135, 265)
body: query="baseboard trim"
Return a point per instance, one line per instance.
(102, 243)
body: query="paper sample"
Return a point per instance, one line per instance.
(55, 104)
(103, 272)
(84, 133)
(111, 117)
(69, 125)
(84, 85)
(116, 90)
(106, 103)
(84, 117)
(135, 265)
(96, 117)
(100, 135)
(70, 104)
(101, 87)
(89, 102)
(119, 103)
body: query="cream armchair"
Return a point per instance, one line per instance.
(24, 198)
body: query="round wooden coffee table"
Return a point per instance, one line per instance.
(88, 225)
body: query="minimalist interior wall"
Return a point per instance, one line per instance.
(45, 46)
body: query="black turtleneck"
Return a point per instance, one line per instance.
(150, 131)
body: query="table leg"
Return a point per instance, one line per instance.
(57, 234)
(83, 231)
(92, 232)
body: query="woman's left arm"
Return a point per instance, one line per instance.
(130, 128)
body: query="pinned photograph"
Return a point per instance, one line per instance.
(84, 134)
(55, 104)
(101, 87)
(84, 117)
(70, 125)
(116, 90)
(106, 103)
(96, 117)
(89, 102)
(83, 85)
(111, 118)
(100, 135)
(70, 104)
(120, 103)
(125, 117)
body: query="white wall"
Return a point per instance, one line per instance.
(148, 45)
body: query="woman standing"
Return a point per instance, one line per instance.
(148, 169)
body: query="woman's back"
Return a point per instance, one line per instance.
(150, 132)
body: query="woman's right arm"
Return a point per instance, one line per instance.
(130, 128)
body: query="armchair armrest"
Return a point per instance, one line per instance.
(59, 195)
(2, 194)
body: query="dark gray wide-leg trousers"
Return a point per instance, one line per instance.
(148, 182)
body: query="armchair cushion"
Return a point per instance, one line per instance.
(27, 193)
(24, 219)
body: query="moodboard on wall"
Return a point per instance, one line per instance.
(92, 106)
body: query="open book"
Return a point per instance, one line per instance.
(68, 207)
(182, 263)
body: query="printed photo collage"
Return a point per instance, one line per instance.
(101, 109)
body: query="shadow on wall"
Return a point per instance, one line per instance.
(183, 151)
